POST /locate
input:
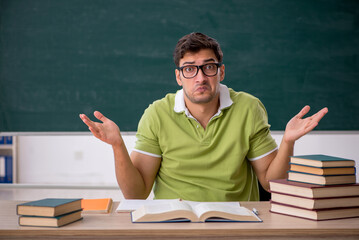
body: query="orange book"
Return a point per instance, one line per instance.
(103, 205)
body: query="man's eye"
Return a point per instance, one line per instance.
(189, 69)
(209, 66)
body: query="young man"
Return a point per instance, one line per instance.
(206, 142)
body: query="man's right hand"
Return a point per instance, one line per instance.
(106, 131)
(136, 174)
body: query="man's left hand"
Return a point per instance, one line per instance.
(299, 126)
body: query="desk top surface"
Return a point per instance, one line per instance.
(274, 225)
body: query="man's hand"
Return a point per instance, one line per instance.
(106, 131)
(299, 126)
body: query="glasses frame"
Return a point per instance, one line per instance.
(200, 67)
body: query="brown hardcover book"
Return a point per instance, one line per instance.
(319, 214)
(319, 160)
(315, 203)
(49, 207)
(323, 171)
(57, 221)
(313, 191)
(321, 179)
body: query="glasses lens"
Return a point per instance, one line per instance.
(189, 71)
(210, 69)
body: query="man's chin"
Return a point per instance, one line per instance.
(202, 99)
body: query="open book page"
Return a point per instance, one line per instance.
(218, 211)
(193, 204)
(167, 207)
(166, 211)
(177, 210)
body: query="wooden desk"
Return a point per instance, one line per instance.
(119, 226)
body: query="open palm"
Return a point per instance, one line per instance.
(299, 126)
(106, 130)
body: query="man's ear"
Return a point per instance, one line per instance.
(178, 77)
(222, 73)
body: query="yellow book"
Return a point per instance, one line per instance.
(323, 171)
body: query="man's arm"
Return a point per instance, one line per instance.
(136, 174)
(276, 164)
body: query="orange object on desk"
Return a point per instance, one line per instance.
(102, 205)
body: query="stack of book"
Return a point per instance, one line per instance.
(318, 187)
(322, 170)
(49, 212)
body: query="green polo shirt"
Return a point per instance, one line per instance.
(209, 164)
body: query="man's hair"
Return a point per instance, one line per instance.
(194, 42)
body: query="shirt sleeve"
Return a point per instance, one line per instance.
(146, 136)
(261, 141)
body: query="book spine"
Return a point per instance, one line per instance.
(8, 139)
(6, 169)
(2, 169)
(316, 198)
(5, 140)
(313, 210)
(319, 167)
(9, 169)
(320, 175)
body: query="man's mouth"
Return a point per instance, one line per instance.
(201, 89)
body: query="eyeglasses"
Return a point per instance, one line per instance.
(208, 69)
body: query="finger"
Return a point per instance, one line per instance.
(95, 132)
(81, 115)
(302, 112)
(100, 116)
(320, 114)
(84, 118)
(87, 121)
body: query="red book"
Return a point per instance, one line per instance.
(319, 214)
(313, 191)
(315, 203)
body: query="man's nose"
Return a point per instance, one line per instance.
(201, 76)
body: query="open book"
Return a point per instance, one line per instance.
(179, 211)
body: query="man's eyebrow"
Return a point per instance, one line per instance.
(209, 60)
(188, 63)
(205, 61)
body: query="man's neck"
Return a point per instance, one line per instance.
(203, 112)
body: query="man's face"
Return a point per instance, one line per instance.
(201, 88)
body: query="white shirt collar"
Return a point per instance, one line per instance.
(224, 101)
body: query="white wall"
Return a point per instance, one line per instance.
(73, 160)
(67, 160)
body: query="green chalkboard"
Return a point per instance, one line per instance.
(62, 58)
